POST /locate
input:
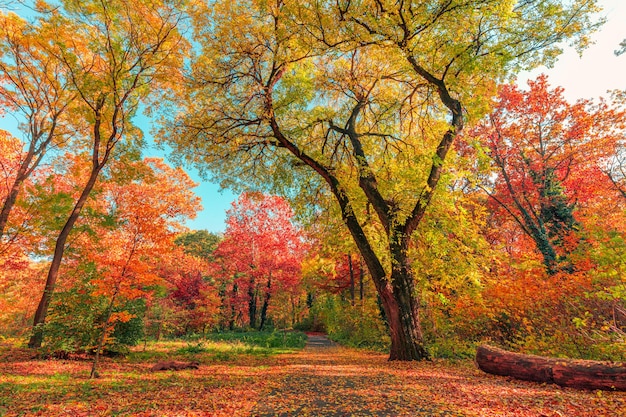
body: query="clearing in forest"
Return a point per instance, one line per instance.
(323, 379)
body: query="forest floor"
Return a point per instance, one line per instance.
(323, 379)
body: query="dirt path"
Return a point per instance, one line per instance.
(325, 380)
(318, 341)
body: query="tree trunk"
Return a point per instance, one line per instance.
(252, 303)
(233, 312)
(10, 200)
(564, 372)
(26, 168)
(105, 328)
(351, 269)
(361, 276)
(404, 325)
(59, 249)
(266, 303)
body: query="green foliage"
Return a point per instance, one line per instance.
(200, 243)
(75, 322)
(131, 332)
(267, 339)
(358, 326)
(192, 349)
(452, 348)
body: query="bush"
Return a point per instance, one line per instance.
(75, 323)
(357, 326)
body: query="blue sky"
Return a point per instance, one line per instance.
(591, 76)
(215, 201)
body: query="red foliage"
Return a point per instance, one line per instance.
(260, 255)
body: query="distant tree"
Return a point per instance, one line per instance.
(261, 254)
(200, 243)
(546, 155)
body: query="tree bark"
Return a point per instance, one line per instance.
(105, 329)
(564, 372)
(26, 168)
(252, 303)
(36, 151)
(266, 303)
(96, 166)
(361, 276)
(407, 340)
(11, 198)
(351, 270)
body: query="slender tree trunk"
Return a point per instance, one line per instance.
(233, 313)
(352, 289)
(294, 313)
(105, 328)
(59, 249)
(252, 303)
(32, 160)
(10, 200)
(361, 276)
(159, 330)
(266, 302)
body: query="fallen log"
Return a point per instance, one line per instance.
(563, 372)
(174, 366)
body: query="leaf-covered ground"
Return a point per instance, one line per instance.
(317, 381)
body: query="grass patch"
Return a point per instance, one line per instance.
(265, 339)
(220, 347)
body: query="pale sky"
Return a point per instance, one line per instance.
(598, 70)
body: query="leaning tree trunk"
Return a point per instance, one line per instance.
(11, 198)
(29, 164)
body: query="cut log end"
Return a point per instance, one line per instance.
(563, 372)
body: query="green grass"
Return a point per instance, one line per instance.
(266, 339)
(220, 347)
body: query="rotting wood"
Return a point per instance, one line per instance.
(563, 372)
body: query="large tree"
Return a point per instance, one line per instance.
(361, 100)
(118, 53)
